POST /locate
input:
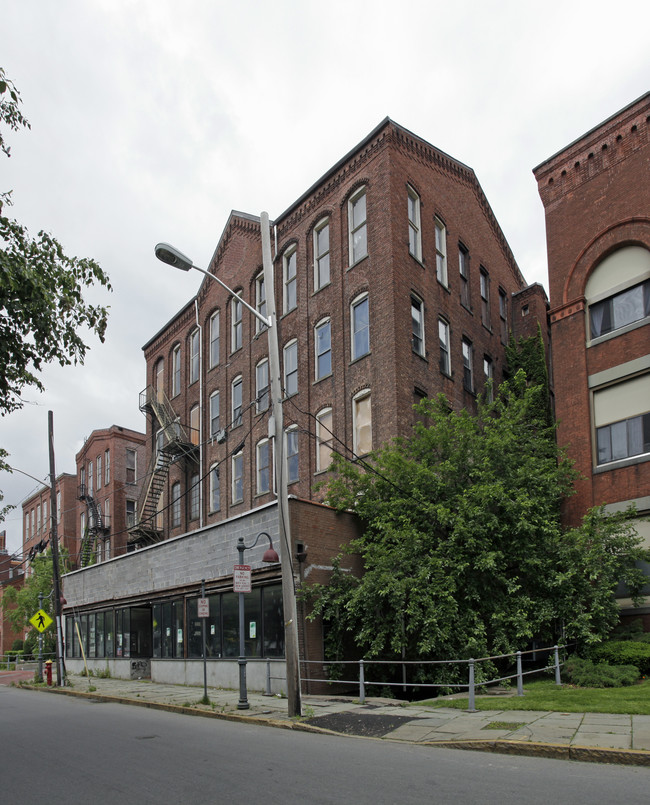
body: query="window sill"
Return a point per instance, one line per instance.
(321, 287)
(360, 358)
(357, 262)
(418, 260)
(420, 355)
(620, 463)
(320, 379)
(443, 285)
(628, 328)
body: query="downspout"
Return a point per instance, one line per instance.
(200, 329)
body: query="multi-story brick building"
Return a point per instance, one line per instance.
(37, 525)
(12, 574)
(596, 194)
(393, 282)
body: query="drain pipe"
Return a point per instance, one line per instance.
(200, 329)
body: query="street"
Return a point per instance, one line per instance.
(59, 749)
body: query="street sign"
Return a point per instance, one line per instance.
(204, 608)
(241, 579)
(41, 620)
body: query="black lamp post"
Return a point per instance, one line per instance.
(270, 557)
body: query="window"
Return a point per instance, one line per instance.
(468, 369)
(262, 385)
(260, 302)
(214, 413)
(38, 518)
(485, 297)
(417, 326)
(503, 315)
(236, 327)
(130, 513)
(362, 423)
(488, 377)
(360, 322)
(238, 478)
(463, 269)
(415, 237)
(159, 380)
(107, 467)
(82, 523)
(357, 224)
(107, 513)
(291, 368)
(619, 310)
(215, 491)
(195, 432)
(237, 386)
(194, 496)
(443, 337)
(176, 370)
(98, 464)
(323, 344)
(214, 339)
(323, 439)
(131, 466)
(622, 420)
(194, 356)
(290, 280)
(91, 479)
(441, 251)
(321, 254)
(176, 505)
(292, 454)
(263, 466)
(160, 513)
(58, 507)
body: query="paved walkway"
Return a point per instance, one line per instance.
(576, 736)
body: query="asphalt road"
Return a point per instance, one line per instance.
(59, 749)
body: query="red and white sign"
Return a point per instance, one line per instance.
(204, 608)
(241, 579)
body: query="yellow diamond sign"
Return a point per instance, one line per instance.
(41, 620)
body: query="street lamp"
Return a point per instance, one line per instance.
(270, 557)
(171, 256)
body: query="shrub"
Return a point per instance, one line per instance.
(588, 674)
(18, 645)
(632, 630)
(624, 652)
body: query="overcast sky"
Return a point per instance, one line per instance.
(152, 120)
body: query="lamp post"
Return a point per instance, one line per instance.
(270, 556)
(170, 255)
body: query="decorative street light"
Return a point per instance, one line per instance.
(170, 255)
(270, 556)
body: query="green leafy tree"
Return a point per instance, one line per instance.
(463, 551)
(42, 309)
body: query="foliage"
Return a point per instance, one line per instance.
(529, 354)
(463, 551)
(624, 652)
(18, 644)
(633, 630)
(42, 308)
(588, 674)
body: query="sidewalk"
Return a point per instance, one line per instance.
(596, 737)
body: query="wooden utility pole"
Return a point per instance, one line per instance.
(60, 664)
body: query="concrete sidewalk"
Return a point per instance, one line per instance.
(596, 737)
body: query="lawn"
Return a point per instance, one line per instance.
(545, 695)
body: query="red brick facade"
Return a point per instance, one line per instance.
(37, 525)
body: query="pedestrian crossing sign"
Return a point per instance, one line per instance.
(41, 620)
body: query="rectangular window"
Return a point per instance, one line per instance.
(194, 496)
(130, 513)
(290, 279)
(485, 297)
(417, 326)
(260, 301)
(91, 479)
(360, 320)
(237, 325)
(99, 472)
(622, 420)
(214, 339)
(503, 315)
(463, 269)
(176, 370)
(215, 490)
(621, 309)
(488, 377)
(238, 478)
(358, 227)
(323, 439)
(237, 386)
(415, 239)
(262, 385)
(321, 254)
(131, 466)
(323, 343)
(441, 251)
(291, 369)
(195, 431)
(443, 337)
(263, 467)
(58, 507)
(194, 356)
(176, 505)
(292, 455)
(468, 369)
(362, 423)
(214, 414)
(38, 518)
(107, 467)
(107, 513)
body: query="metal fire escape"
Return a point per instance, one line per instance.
(172, 445)
(95, 527)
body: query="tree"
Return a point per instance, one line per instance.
(42, 309)
(463, 550)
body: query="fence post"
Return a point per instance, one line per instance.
(268, 678)
(520, 678)
(558, 681)
(362, 686)
(471, 708)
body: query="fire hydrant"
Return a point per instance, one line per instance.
(48, 672)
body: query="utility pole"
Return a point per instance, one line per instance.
(60, 664)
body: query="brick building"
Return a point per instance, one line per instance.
(596, 194)
(12, 574)
(393, 282)
(37, 525)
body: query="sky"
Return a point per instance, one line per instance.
(151, 120)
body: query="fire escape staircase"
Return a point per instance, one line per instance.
(173, 445)
(94, 528)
